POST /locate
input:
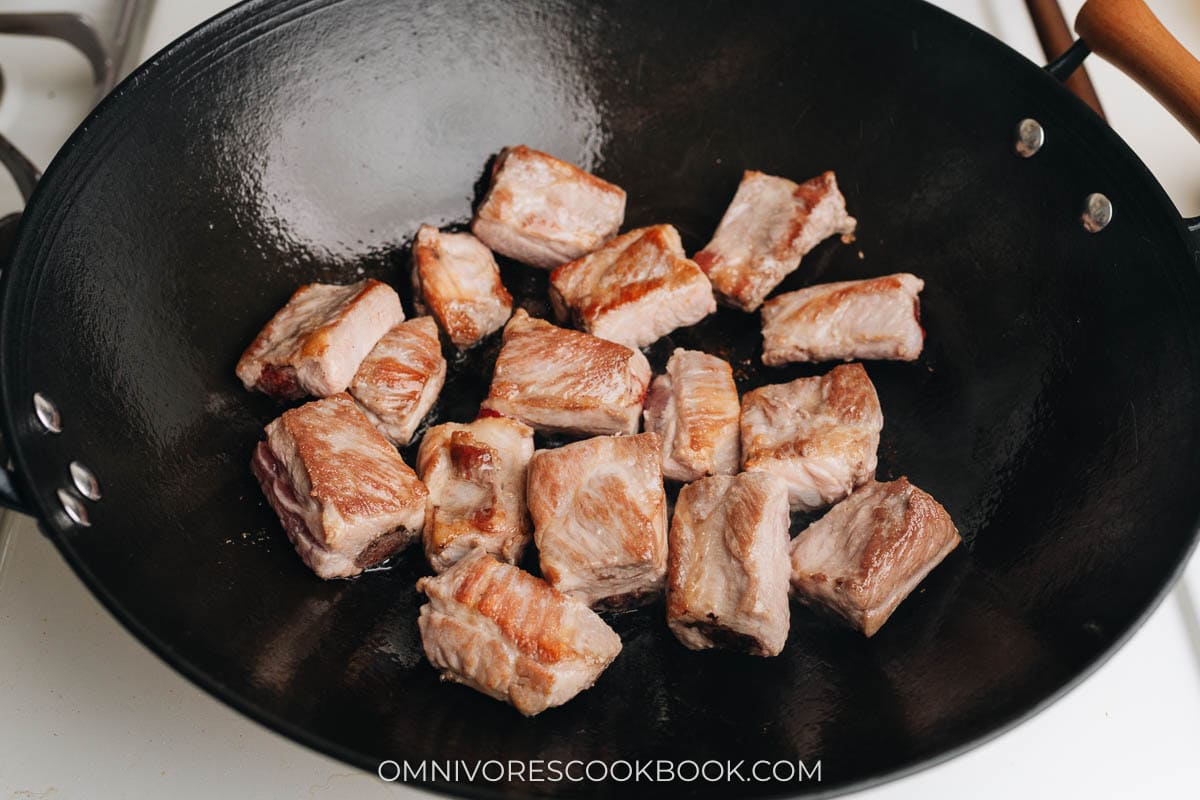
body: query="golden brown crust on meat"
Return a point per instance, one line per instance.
(450, 282)
(471, 457)
(405, 379)
(564, 170)
(770, 224)
(847, 396)
(808, 195)
(729, 567)
(312, 343)
(368, 478)
(400, 379)
(527, 610)
(510, 635)
(545, 212)
(869, 552)
(831, 302)
(819, 434)
(694, 406)
(891, 535)
(848, 390)
(875, 318)
(591, 293)
(476, 475)
(544, 368)
(602, 358)
(599, 515)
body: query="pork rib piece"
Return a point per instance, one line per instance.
(344, 495)
(600, 518)
(870, 551)
(475, 474)
(819, 434)
(769, 226)
(555, 379)
(512, 636)
(456, 279)
(634, 290)
(875, 318)
(544, 211)
(694, 407)
(400, 379)
(728, 580)
(314, 344)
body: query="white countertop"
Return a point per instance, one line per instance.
(87, 712)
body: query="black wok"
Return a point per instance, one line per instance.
(1054, 411)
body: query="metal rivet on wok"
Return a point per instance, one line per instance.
(47, 413)
(85, 481)
(1097, 212)
(1030, 137)
(74, 507)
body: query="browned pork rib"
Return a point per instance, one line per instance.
(694, 407)
(344, 495)
(544, 211)
(728, 579)
(819, 434)
(400, 379)
(512, 636)
(456, 279)
(554, 379)
(864, 557)
(769, 226)
(314, 344)
(600, 518)
(634, 290)
(875, 318)
(475, 474)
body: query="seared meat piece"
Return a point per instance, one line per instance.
(634, 290)
(456, 279)
(544, 211)
(314, 344)
(769, 226)
(559, 380)
(819, 434)
(344, 495)
(728, 580)
(864, 557)
(600, 518)
(475, 474)
(512, 636)
(400, 380)
(694, 408)
(876, 318)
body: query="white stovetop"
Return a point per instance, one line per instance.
(87, 712)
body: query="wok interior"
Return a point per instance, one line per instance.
(1052, 412)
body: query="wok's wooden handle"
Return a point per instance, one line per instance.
(1055, 36)
(1127, 34)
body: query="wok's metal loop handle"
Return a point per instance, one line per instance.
(26, 176)
(1055, 36)
(1127, 34)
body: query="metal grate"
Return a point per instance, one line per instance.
(108, 32)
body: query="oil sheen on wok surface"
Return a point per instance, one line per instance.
(1050, 412)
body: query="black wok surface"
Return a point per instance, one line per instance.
(1053, 412)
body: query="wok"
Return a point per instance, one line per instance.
(1054, 411)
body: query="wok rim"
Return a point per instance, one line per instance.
(198, 43)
